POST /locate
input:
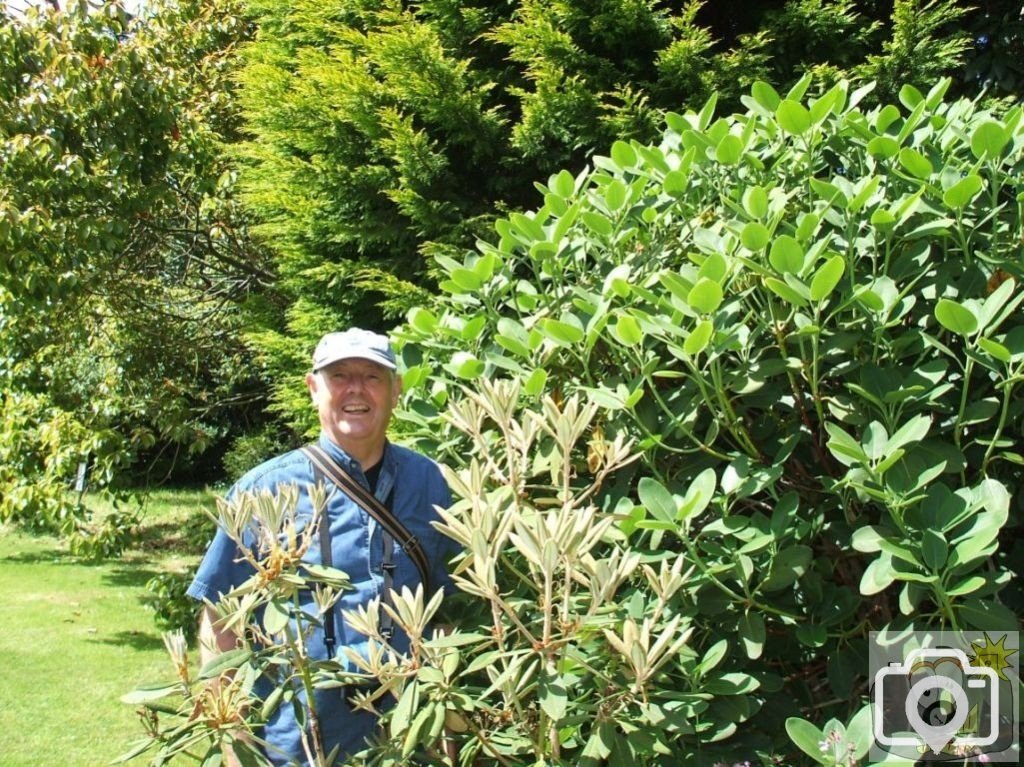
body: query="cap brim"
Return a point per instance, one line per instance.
(355, 355)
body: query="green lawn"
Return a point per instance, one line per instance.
(75, 636)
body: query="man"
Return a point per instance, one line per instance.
(354, 387)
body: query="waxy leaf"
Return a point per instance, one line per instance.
(787, 255)
(765, 95)
(955, 317)
(786, 292)
(623, 154)
(883, 147)
(963, 191)
(561, 332)
(988, 140)
(806, 737)
(706, 296)
(793, 117)
(626, 330)
(752, 634)
(915, 163)
(754, 236)
(676, 183)
(535, 382)
(729, 149)
(656, 499)
(755, 202)
(827, 277)
(699, 337)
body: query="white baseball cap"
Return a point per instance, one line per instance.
(354, 343)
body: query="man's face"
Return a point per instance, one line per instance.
(354, 398)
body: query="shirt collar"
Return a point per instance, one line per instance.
(352, 466)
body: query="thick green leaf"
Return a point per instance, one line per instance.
(423, 320)
(786, 292)
(698, 495)
(788, 566)
(827, 277)
(754, 236)
(276, 616)
(562, 333)
(706, 296)
(729, 149)
(731, 683)
(598, 223)
(528, 227)
(956, 317)
(988, 140)
(715, 267)
(914, 430)
(811, 634)
(699, 337)
(554, 699)
(878, 575)
(513, 337)
(787, 255)
(806, 737)
(987, 615)
(227, 661)
(623, 154)
(626, 330)
(615, 195)
(465, 366)
(915, 163)
(562, 184)
(934, 549)
(657, 499)
(868, 539)
(752, 634)
(995, 349)
(714, 656)
(883, 147)
(676, 183)
(148, 693)
(963, 191)
(536, 382)
(755, 202)
(793, 117)
(765, 95)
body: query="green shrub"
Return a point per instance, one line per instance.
(173, 608)
(807, 318)
(251, 449)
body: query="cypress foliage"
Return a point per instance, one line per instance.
(384, 134)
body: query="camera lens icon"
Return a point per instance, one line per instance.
(926, 694)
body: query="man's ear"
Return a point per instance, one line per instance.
(312, 380)
(397, 390)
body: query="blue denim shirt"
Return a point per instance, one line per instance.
(357, 549)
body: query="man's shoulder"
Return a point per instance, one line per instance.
(407, 458)
(292, 466)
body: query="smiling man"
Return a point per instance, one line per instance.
(354, 387)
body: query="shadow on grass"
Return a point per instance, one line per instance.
(51, 557)
(133, 577)
(136, 640)
(188, 538)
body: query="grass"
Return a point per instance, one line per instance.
(75, 636)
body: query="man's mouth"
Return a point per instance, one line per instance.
(355, 409)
